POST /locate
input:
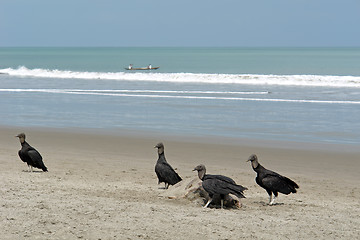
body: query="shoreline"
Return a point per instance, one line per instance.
(332, 157)
(102, 185)
(204, 139)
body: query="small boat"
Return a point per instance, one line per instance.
(143, 68)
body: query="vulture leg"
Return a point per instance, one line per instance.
(166, 185)
(273, 200)
(222, 197)
(207, 204)
(270, 196)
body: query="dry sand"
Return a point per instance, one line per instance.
(103, 186)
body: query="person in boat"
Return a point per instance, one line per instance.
(130, 66)
(149, 67)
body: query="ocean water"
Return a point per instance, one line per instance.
(291, 94)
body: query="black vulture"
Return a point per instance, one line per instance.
(164, 171)
(271, 181)
(30, 155)
(218, 185)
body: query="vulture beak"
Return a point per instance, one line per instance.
(194, 169)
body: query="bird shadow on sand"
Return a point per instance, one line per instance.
(34, 171)
(267, 204)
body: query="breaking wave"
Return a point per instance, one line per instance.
(250, 79)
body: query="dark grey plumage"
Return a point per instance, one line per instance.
(218, 185)
(163, 170)
(272, 182)
(30, 155)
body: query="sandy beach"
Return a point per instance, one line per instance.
(103, 186)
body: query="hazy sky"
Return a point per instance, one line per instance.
(180, 23)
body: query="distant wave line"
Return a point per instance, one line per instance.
(99, 93)
(220, 98)
(179, 91)
(134, 91)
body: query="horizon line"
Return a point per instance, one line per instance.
(75, 46)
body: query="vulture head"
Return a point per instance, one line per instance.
(21, 137)
(160, 147)
(201, 170)
(254, 160)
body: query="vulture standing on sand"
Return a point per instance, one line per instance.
(271, 181)
(164, 171)
(218, 185)
(30, 155)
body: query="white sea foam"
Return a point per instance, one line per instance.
(128, 91)
(211, 95)
(252, 79)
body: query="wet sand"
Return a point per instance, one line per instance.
(102, 185)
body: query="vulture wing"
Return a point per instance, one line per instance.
(166, 173)
(216, 186)
(277, 183)
(36, 159)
